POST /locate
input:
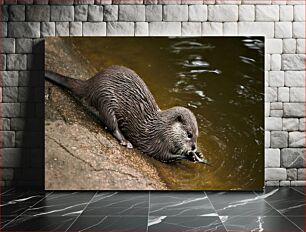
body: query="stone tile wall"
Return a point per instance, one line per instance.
(24, 24)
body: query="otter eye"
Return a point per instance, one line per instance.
(179, 118)
(189, 135)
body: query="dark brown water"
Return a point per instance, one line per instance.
(220, 79)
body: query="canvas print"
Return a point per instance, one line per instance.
(163, 113)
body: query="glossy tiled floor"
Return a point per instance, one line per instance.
(277, 209)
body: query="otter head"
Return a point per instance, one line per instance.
(183, 129)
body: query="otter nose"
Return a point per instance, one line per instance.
(193, 147)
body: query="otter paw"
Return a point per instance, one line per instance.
(123, 142)
(192, 156)
(128, 144)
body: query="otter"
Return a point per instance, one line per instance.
(128, 109)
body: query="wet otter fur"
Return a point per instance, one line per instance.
(128, 109)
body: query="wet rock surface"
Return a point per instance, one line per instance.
(79, 152)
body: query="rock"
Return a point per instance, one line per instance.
(294, 109)
(141, 29)
(275, 174)
(11, 157)
(147, 2)
(191, 29)
(8, 45)
(62, 28)
(267, 138)
(197, 13)
(297, 94)
(298, 30)
(103, 2)
(222, 13)
(9, 94)
(275, 62)
(212, 28)
(154, 13)
(293, 157)
(293, 61)
(75, 29)
(60, 2)
(8, 139)
(276, 113)
(302, 124)
(175, 13)
(110, 13)
(290, 124)
(295, 78)
(165, 2)
(3, 65)
(273, 123)
(11, 110)
(299, 13)
(272, 183)
(256, 28)
(276, 106)
(128, 2)
(267, 109)
(286, 13)
(18, 124)
(165, 28)
(267, 13)
(95, 13)
(271, 94)
(300, 46)
(16, 62)
(62, 13)
(17, 13)
(230, 28)
(84, 2)
(131, 13)
(274, 46)
(289, 45)
(284, 183)
(94, 167)
(24, 45)
(246, 13)
(298, 183)
(24, 29)
(272, 158)
(296, 139)
(47, 29)
(9, 78)
(276, 78)
(94, 29)
(80, 12)
(267, 62)
(301, 174)
(283, 94)
(120, 29)
(4, 13)
(279, 139)
(292, 174)
(38, 13)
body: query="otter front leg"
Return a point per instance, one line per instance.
(117, 133)
(110, 121)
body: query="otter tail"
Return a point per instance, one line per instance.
(75, 86)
